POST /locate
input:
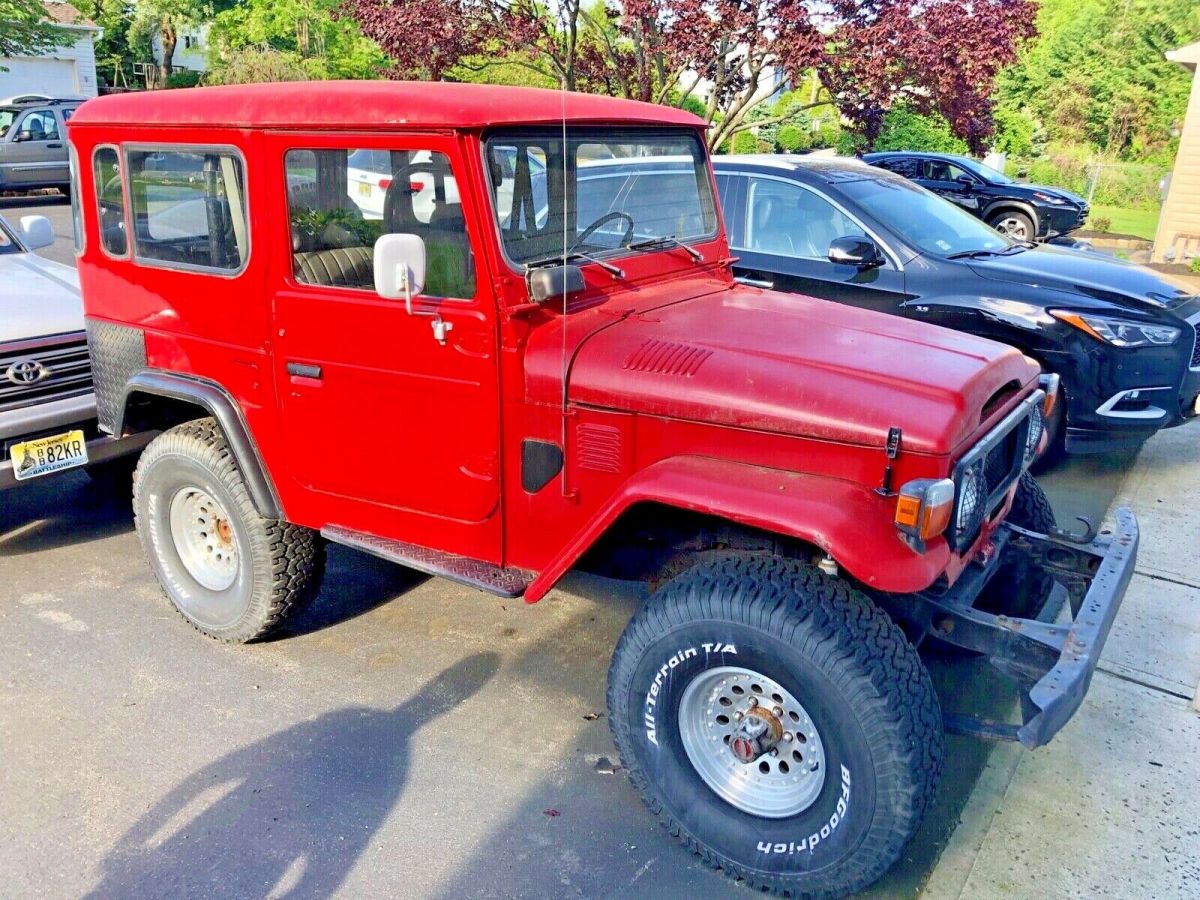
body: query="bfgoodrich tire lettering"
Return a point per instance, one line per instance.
(838, 655)
(278, 565)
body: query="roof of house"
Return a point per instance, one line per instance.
(371, 105)
(66, 14)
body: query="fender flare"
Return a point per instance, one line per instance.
(848, 521)
(219, 404)
(1019, 205)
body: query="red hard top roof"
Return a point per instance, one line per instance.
(369, 105)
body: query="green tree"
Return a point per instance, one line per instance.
(302, 35)
(904, 129)
(25, 29)
(113, 59)
(165, 19)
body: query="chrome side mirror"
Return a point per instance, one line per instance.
(553, 281)
(399, 261)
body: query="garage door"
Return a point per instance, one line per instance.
(54, 77)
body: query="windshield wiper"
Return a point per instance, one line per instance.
(975, 254)
(576, 254)
(666, 240)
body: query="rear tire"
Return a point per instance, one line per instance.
(1019, 588)
(815, 647)
(231, 573)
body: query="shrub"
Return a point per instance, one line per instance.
(1100, 223)
(792, 138)
(183, 79)
(1194, 265)
(904, 129)
(744, 142)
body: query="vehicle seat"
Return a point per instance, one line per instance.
(340, 267)
(449, 267)
(771, 227)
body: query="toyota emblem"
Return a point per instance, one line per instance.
(25, 372)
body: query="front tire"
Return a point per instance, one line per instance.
(231, 573)
(1016, 225)
(834, 806)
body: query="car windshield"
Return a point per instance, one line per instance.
(934, 225)
(621, 187)
(987, 173)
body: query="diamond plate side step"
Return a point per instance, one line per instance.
(463, 569)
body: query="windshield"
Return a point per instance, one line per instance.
(621, 187)
(925, 219)
(987, 173)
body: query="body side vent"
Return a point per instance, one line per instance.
(599, 447)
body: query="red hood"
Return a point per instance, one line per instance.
(795, 365)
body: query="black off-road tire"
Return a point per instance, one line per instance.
(279, 565)
(1018, 588)
(867, 692)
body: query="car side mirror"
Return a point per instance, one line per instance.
(399, 262)
(553, 281)
(965, 182)
(859, 252)
(36, 232)
(21, 136)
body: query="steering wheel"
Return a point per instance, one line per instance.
(600, 223)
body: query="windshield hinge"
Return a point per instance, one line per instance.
(891, 450)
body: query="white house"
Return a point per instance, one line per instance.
(68, 71)
(191, 48)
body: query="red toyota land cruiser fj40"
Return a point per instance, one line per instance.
(486, 331)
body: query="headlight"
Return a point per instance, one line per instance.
(1047, 198)
(972, 491)
(1036, 427)
(1119, 332)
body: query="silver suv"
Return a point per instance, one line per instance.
(33, 144)
(47, 407)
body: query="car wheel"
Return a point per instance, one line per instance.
(778, 723)
(1016, 225)
(1019, 588)
(231, 573)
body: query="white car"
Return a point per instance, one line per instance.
(47, 407)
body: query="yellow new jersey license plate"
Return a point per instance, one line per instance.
(49, 454)
(364, 189)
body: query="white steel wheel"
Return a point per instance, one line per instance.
(204, 538)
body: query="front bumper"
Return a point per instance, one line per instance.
(1051, 664)
(100, 449)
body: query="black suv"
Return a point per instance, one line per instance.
(1025, 212)
(1122, 339)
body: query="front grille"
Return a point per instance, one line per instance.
(47, 369)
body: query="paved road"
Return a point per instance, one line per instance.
(404, 737)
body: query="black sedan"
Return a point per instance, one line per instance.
(1022, 211)
(1122, 339)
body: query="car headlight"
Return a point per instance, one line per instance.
(1119, 332)
(1047, 198)
(972, 492)
(1034, 436)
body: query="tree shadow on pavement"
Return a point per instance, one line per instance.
(290, 814)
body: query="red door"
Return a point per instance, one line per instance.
(389, 429)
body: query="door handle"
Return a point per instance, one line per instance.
(754, 282)
(54, 146)
(304, 370)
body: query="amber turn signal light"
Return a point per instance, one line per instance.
(923, 510)
(1050, 384)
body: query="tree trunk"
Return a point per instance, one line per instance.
(169, 38)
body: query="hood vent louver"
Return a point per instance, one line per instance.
(667, 358)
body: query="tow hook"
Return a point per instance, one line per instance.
(758, 731)
(1085, 537)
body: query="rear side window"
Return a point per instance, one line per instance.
(902, 165)
(110, 201)
(189, 208)
(341, 201)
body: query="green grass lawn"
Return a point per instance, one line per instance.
(1140, 222)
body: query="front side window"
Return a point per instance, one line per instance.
(189, 208)
(941, 170)
(110, 201)
(341, 201)
(604, 190)
(39, 125)
(786, 219)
